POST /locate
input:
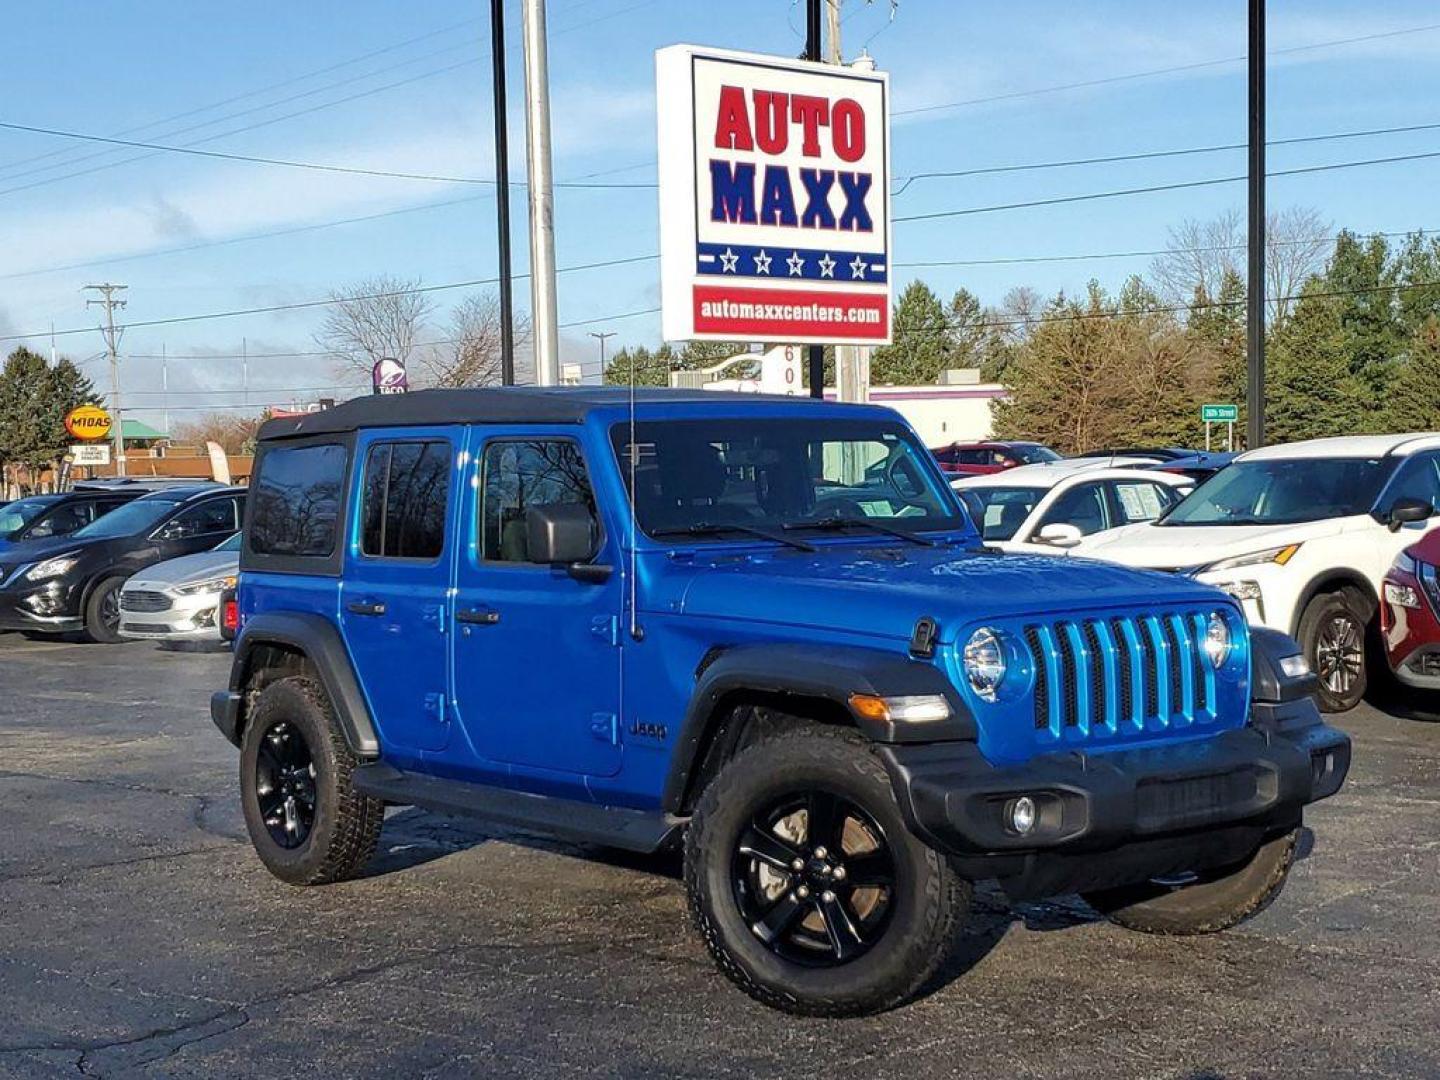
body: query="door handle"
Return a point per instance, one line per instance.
(477, 616)
(365, 607)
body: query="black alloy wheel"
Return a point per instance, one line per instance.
(285, 784)
(814, 879)
(110, 610)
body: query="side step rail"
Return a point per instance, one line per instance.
(564, 819)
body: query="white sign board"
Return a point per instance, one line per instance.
(90, 454)
(774, 199)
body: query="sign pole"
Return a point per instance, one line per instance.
(543, 311)
(1255, 290)
(1207, 436)
(502, 193)
(816, 353)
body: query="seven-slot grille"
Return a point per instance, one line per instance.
(1121, 674)
(143, 600)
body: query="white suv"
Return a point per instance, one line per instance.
(1301, 535)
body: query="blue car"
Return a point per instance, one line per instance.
(764, 631)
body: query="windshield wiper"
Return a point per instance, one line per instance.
(705, 528)
(834, 523)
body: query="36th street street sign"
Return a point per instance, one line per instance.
(774, 199)
(1219, 414)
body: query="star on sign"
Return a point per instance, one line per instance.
(827, 266)
(728, 261)
(858, 267)
(796, 263)
(762, 262)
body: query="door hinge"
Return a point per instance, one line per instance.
(435, 706)
(605, 727)
(607, 628)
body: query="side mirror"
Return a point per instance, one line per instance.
(1060, 535)
(1407, 510)
(564, 534)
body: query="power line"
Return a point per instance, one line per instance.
(1177, 186)
(1151, 73)
(287, 162)
(297, 306)
(1150, 155)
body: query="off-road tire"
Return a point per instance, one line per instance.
(96, 629)
(346, 825)
(931, 902)
(1214, 903)
(1318, 614)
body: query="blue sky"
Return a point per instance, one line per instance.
(110, 68)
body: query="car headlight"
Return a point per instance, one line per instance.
(1279, 556)
(59, 566)
(215, 585)
(1217, 640)
(984, 662)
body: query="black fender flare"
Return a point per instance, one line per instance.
(1331, 581)
(831, 673)
(319, 641)
(1269, 684)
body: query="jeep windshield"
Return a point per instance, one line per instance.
(723, 480)
(1284, 492)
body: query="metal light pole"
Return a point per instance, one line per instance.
(1255, 281)
(109, 302)
(543, 310)
(602, 337)
(816, 353)
(502, 193)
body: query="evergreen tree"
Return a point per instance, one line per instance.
(922, 348)
(1414, 400)
(1358, 278)
(33, 402)
(1312, 390)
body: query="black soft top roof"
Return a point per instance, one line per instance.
(497, 405)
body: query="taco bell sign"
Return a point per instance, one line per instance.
(774, 199)
(388, 376)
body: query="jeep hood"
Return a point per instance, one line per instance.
(883, 591)
(1175, 546)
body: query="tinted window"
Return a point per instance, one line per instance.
(1082, 506)
(297, 501)
(137, 517)
(1418, 478)
(971, 457)
(999, 512)
(19, 514)
(406, 491)
(1033, 455)
(62, 521)
(218, 517)
(520, 474)
(1141, 500)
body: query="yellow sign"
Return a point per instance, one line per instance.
(88, 422)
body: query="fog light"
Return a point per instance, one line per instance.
(1401, 595)
(1022, 815)
(1294, 667)
(1241, 590)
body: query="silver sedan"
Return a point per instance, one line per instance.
(179, 600)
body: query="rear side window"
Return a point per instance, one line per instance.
(406, 491)
(297, 501)
(519, 474)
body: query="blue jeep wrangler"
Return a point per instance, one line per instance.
(763, 629)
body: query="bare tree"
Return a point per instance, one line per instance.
(1201, 254)
(380, 317)
(471, 356)
(235, 434)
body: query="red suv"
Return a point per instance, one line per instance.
(1410, 614)
(980, 458)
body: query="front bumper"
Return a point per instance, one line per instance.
(1119, 817)
(188, 618)
(49, 607)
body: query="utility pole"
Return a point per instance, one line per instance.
(602, 337)
(109, 302)
(543, 310)
(502, 193)
(1255, 280)
(165, 384)
(244, 374)
(816, 353)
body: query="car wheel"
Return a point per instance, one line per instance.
(810, 893)
(1205, 903)
(1332, 633)
(306, 820)
(102, 612)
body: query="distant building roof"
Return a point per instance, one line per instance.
(138, 429)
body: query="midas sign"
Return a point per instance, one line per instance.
(774, 201)
(88, 422)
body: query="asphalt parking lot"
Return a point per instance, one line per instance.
(142, 937)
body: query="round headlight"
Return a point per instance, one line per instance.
(1217, 640)
(984, 659)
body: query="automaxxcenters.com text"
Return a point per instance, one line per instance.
(726, 309)
(780, 313)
